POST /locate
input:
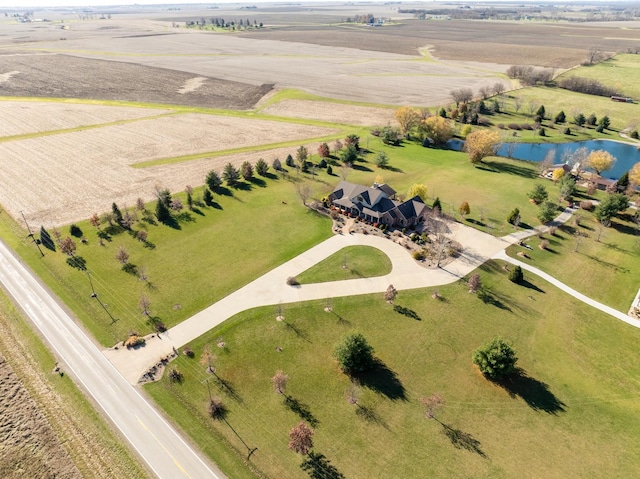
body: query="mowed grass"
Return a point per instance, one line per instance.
(620, 72)
(492, 188)
(574, 413)
(601, 262)
(352, 262)
(218, 249)
(215, 251)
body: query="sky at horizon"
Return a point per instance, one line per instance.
(34, 4)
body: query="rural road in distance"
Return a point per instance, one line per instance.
(158, 443)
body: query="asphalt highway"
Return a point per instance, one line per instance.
(158, 444)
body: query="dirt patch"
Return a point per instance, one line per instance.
(332, 112)
(64, 76)
(63, 178)
(20, 118)
(28, 445)
(192, 85)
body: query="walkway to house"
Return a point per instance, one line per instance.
(271, 288)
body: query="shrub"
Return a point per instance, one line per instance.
(74, 230)
(353, 353)
(514, 126)
(567, 131)
(634, 134)
(516, 275)
(133, 340)
(418, 255)
(188, 352)
(527, 126)
(501, 126)
(292, 281)
(542, 132)
(514, 216)
(175, 376)
(216, 408)
(586, 205)
(544, 244)
(495, 359)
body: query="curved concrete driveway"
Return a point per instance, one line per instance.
(567, 289)
(271, 289)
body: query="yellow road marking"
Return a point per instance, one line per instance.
(166, 450)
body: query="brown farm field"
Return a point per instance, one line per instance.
(66, 76)
(332, 112)
(61, 178)
(29, 446)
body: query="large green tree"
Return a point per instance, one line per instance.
(353, 353)
(496, 359)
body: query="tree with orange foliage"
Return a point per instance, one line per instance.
(407, 118)
(480, 144)
(600, 160)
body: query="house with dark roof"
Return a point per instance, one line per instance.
(377, 204)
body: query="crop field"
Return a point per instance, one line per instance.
(332, 112)
(21, 117)
(558, 45)
(85, 171)
(346, 73)
(65, 76)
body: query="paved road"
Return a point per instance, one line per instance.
(159, 445)
(271, 289)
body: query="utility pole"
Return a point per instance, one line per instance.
(95, 295)
(31, 235)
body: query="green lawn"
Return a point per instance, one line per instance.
(620, 72)
(607, 270)
(574, 414)
(213, 252)
(352, 262)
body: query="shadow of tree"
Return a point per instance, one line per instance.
(382, 380)
(406, 312)
(130, 268)
(77, 262)
(223, 190)
(301, 409)
(532, 286)
(299, 332)
(369, 415)
(258, 182)
(462, 440)
(487, 298)
(535, 393)
(185, 217)
(500, 167)
(319, 467)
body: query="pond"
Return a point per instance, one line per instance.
(626, 154)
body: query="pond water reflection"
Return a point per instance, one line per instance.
(626, 154)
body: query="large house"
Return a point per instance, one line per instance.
(377, 204)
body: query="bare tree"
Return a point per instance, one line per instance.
(390, 294)
(122, 256)
(337, 146)
(474, 283)
(498, 88)
(517, 103)
(432, 404)
(485, 92)
(95, 221)
(279, 382)
(304, 192)
(463, 95)
(533, 106)
(207, 358)
(345, 171)
(144, 304)
(548, 161)
(594, 55)
(301, 438)
(67, 246)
